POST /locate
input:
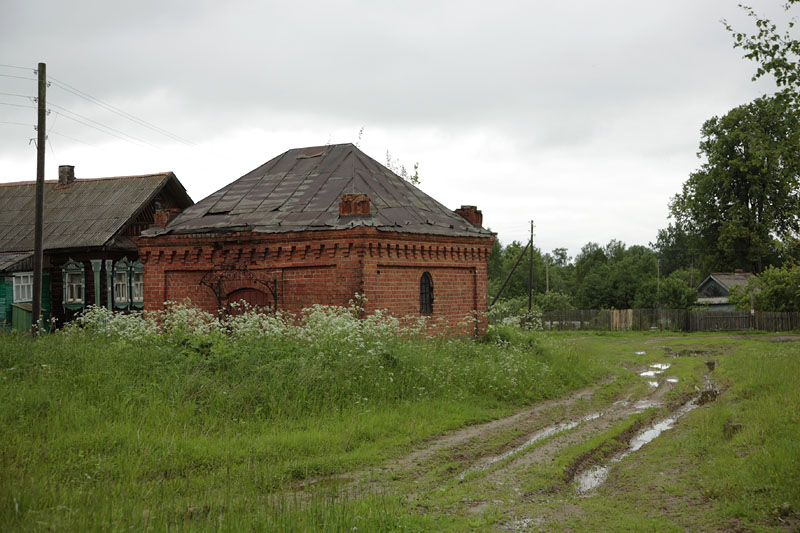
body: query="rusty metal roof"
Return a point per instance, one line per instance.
(300, 190)
(88, 213)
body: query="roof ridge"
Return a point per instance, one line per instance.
(85, 180)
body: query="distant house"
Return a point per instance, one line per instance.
(316, 226)
(89, 254)
(714, 291)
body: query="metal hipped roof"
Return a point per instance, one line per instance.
(300, 190)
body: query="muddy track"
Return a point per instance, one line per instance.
(495, 466)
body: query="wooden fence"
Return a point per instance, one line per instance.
(669, 320)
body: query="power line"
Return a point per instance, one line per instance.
(99, 124)
(17, 123)
(54, 132)
(104, 131)
(18, 77)
(94, 100)
(65, 110)
(18, 105)
(20, 68)
(19, 95)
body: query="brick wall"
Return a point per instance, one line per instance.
(327, 267)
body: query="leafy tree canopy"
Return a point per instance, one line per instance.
(775, 50)
(747, 192)
(775, 289)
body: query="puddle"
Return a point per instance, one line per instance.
(655, 369)
(641, 353)
(672, 380)
(653, 384)
(539, 435)
(643, 405)
(691, 353)
(595, 476)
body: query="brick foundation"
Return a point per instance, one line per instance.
(297, 270)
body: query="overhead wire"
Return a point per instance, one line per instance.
(18, 95)
(54, 132)
(88, 124)
(102, 125)
(94, 100)
(18, 77)
(84, 120)
(18, 105)
(17, 123)
(20, 68)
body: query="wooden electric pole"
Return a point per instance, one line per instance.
(39, 205)
(530, 274)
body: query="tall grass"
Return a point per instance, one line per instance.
(748, 444)
(124, 421)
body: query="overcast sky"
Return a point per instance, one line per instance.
(583, 116)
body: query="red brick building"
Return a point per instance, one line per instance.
(318, 225)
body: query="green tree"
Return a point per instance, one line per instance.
(553, 301)
(502, 259)
(747, 192)
(675, 292)
(614, 276)
(775, 50)
(673, 249)
(775, 289)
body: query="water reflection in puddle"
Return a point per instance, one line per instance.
(655, 369)
(594, 477)
(539, 435)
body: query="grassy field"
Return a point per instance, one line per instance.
(116, 426)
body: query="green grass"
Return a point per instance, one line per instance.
(206, 432)
(100, 433)
(731, 464)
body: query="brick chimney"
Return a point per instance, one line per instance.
(354, 205)
(66, 176)
(471, 213)
(163, 215)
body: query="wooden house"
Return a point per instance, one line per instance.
(714, 291)
(90, 257)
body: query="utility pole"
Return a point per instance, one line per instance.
(39, 205)
(530, 274)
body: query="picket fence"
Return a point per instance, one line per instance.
(669, 320)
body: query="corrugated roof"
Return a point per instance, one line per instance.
(726, 280)
(88, 213)
(301, 189)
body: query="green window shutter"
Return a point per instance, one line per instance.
(137, 284)
(74, 279)
(122, 284)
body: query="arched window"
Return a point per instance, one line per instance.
(425, 294)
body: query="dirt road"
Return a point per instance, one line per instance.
(537, 469)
